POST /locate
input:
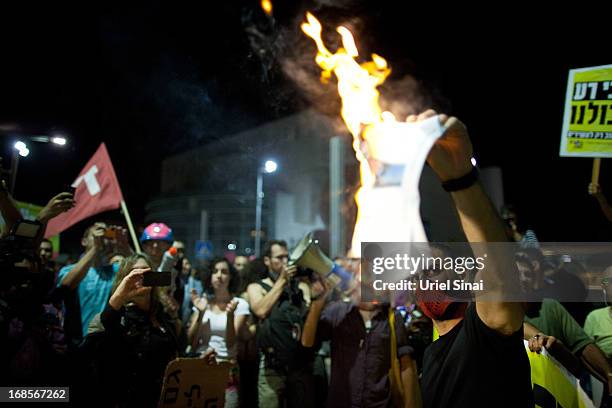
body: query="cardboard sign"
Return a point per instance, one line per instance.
(587, 120)
(191, 382)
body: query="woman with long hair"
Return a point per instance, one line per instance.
(139, 338)
(219, 318)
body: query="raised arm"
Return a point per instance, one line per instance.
(200, 304)
(261, 304)
(93, 248)
(309, 334)
(450, 158)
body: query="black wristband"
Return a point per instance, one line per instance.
(462, 182)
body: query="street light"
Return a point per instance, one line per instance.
(21, 149)
(269, 166)
(58, 140)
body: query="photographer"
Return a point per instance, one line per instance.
(280, 303)
(30, 313)
(138, 341)
(92, 275)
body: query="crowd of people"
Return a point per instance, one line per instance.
(109, 324)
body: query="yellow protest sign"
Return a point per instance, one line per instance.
(587, 119)
(553, 385)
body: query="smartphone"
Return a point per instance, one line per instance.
(153, 278)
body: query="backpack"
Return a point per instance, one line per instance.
(279, 334)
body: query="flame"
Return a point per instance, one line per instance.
(266, 6)
(357, 87)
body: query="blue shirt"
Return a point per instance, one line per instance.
(192, 283)
(94, 290)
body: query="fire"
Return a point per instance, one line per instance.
(266, 6)
(357, 87)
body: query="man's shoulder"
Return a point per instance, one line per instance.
(263, 284)
(552, 306)
(597, 314)
(336, 310)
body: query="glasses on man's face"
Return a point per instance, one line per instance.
(281, 257)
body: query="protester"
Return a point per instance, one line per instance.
(219, 319)
(280, 302)
(248, 356)
(515, 231)
(45, 253)
(156, 240)
(548, 324)
(240, 263)
(482, 340)
(192, 283)
(138, 341)
(92, 276)
(598, 323)
(33, 343)
(182, 274)
(548, 281)
(360, 334)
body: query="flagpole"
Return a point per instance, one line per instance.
(128, 220)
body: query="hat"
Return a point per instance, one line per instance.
(157, 231)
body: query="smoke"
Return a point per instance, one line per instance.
(194, 111)
(284, 50)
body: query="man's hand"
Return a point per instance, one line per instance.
(210, 357)
(288, 272)
(319, 291)
(595, 189)
(451, 155)
(129, 288)
(540, 341)
(97, 242)
(57, 205)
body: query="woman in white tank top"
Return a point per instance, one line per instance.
(219, 318)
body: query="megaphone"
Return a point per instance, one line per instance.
(309, 255)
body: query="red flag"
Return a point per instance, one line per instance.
(97, 190)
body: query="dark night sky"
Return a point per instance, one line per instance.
(154, 78)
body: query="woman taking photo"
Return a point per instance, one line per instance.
(219, 318)
(139, 339)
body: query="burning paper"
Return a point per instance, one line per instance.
(387, 211)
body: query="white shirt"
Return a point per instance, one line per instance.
(212, 331)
